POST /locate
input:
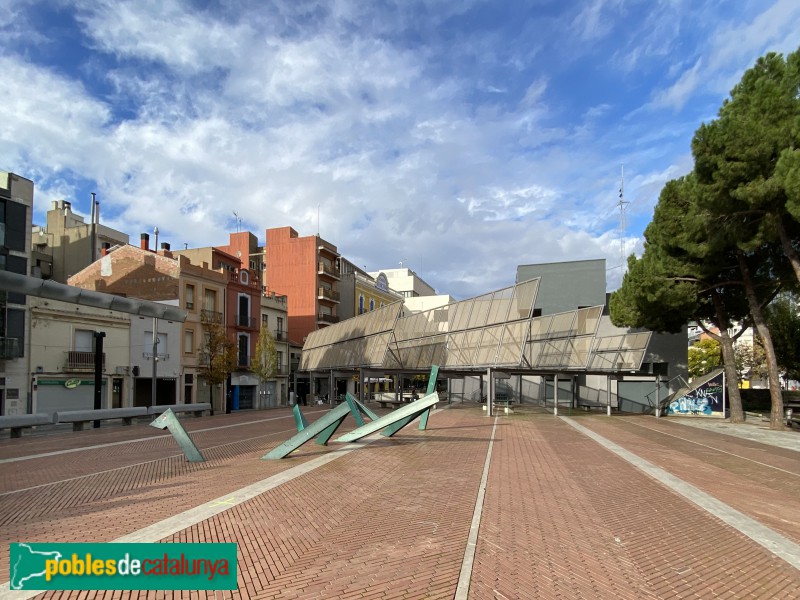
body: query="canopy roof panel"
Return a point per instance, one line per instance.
(497, 329)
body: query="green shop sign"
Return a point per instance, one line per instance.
(70, 384)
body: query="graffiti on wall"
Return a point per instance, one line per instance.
(706, 399)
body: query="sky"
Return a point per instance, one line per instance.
(458, 139)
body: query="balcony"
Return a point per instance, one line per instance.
(325, 269)
(82, 361)
(327, 319)
(281, 370)
(210, 316)
(324, 293)
(280, 336)
(246, 321)
(9, 348)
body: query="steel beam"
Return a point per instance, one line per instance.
(168, 420)
(331, 421)
(405, 413)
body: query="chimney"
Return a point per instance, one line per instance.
(165, 246)
(165, 251)
(145, 241)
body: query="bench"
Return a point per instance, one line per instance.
(392, 403)
(198, 409)
(79, 418)
(16, 423)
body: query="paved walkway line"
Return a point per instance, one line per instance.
(469, 554)
(172, 525)
(764, 536)
(716, 449)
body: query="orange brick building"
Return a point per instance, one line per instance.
(306, 270)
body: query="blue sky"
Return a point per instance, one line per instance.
(459, 138)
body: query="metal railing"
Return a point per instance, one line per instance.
(246, 321)
(326, 269)
(243, 360)
(325, 318)
(79, 361)
(280, 336)
(9, 348)
(210, 316)
(328, 294)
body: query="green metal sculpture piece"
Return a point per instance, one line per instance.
(168, 420)
(299, 419)
(322, 429)
(404, 415)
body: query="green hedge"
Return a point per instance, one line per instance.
(759, 400)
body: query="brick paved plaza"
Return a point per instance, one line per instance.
(525, 505)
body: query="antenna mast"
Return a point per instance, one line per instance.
(621, 204)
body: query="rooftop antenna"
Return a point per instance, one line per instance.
(238, 221)
(317, 220)
(621, 204)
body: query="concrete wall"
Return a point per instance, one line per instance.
(567, 285)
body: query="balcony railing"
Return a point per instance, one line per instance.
(9, 348)
(281, 370)
(82, 361)
(325, 318)
(280, 336)
(325, 269)
(324, 293)
(246, 321)
(210, 316)
(244, 360)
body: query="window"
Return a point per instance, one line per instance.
(84, 340)
(280, 324)
(210, 300)
(189, 297)
(371, 304)
(265, 320)
(279, 360)
(188, 341)
(244, 347)
(360, 304)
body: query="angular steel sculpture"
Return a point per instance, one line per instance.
(322, 429)
(404, 415)
(168, 420)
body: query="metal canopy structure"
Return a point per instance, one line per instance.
(497, 330)
(52, 290)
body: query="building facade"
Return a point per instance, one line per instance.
(16, 207)
(64, 349)
(307, 271)
(406, 282)
(360, 292)
(67, 244)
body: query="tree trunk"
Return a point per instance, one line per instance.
(728, 360)
(788, 249)
(776, 396)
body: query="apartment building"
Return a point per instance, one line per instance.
(16, 207)
(241, 320)
(360, 292)
(307, 271)
(163, 351)
(67, 243)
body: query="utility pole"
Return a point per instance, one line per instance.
(621, 204)
(155, 360)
